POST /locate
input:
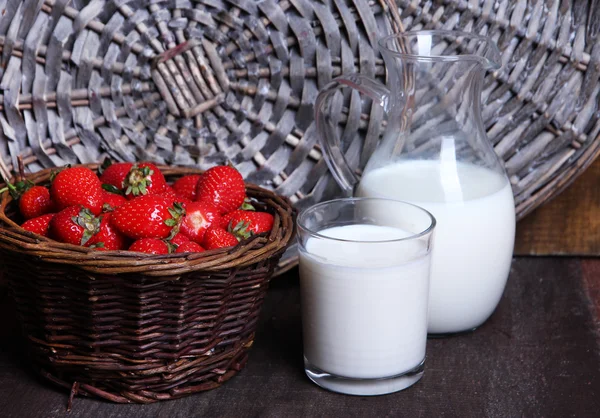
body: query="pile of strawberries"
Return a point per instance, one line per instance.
(132, 207)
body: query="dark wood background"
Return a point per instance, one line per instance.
(567, 225)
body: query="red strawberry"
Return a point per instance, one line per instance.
(149, 216)
(35, 202)
(77, 186)
(198, 217)
(108, 238)
(222, 186)
(74, 225)
(150, 246)
(39, 225)
(173, 196)
(111, 201)
(226, 219)
(144, 179)
(244, 223)
(189, 247)
(115, 174)
(217, 237)
(179, 239)
(186, 186)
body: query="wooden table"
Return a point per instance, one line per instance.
(537, 356)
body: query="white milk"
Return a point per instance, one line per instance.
(474, 236)
(364, 306)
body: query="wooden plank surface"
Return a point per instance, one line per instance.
(567, 225)
(537, 356)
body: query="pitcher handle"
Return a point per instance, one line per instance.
(326, 130)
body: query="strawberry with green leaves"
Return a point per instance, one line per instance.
(223, 186)
(216, 237)
(149, 216)
(114, 176)
(77, 186)
(144, 179)
(108, 238)
(111, 201)
(74, 225)
(198, 217)
(35, 202)
(245, 222)
(150, 246)
(186, 186)
(39, 225)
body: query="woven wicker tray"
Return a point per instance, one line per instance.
(195, 83)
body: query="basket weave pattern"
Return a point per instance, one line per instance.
(194, 83)
(134, 328)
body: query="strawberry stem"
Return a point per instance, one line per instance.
(112, 189)
(138, 180)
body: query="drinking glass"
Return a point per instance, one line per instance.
(364, 280)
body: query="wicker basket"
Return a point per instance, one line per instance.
(133, 328)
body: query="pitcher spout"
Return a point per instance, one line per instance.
(443, 46)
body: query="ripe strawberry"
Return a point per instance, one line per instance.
(149, 216)
(199, 216)
(39, 225)
(111, 201)
(173, 196)
(144, 179)
(189, 247)
(108, 238)
(74, 225)
(244, 223)
(77, 186)
(186, 186)
(179, 239)
(115, 174)
(35, 202)
(150, 246)
(216, 237)
(222, 186)
(226, 219)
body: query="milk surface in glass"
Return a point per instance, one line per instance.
(364, 304)
(474, 239)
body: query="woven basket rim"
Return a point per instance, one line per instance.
(249, 251)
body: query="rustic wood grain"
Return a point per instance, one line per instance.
(537, 356)
(590, 269)
(569, 224)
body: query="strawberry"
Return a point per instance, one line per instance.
(226, 219)
(222, 186)
(108, 238)
(144, 179)
(216, 237)
(179, 239)
(111, 201)
(39, 225)
(149, 216)
(77, 186)
(74, 225)
(171, 194)
(114, 175)
(189, 247)
(186, 186)
(150, 246)
(35, 202)
(198, 217)
(244, 223)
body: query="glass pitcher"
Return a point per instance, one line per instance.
(434, 153)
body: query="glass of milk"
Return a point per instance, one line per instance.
(364, 280)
